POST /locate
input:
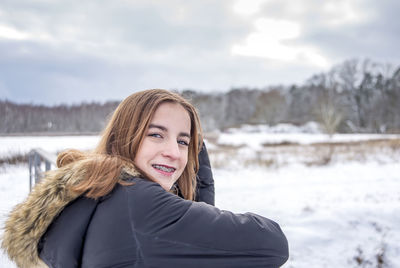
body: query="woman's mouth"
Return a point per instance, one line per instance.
(165, 170)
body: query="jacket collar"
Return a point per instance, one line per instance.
(28, 221)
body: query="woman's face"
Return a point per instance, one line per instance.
(164, 150)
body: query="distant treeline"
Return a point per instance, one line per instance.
(28, 118)
(355, 96)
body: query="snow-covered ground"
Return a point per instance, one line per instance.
(14, 187)
(331, 215)
(23, 144)
(344, 212)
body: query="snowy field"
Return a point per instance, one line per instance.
(336, 198)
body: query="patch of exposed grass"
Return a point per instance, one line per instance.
(225, 147)
(273, 155)
(395, 144)
(222, 156)
(260, 162)
(278, 144)
(373, 142)
(13, 159)
(211, 137)
(380, 258)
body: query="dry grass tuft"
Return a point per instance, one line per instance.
(278, 144)
(316, 154)
(14, 159)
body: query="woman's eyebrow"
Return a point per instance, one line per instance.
(184, 134)
(181, 134)
(158, 126)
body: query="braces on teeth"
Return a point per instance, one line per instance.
(164, 168)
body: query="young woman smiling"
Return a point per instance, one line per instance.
(163, 154)
(132, 202)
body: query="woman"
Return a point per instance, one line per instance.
(119, 206)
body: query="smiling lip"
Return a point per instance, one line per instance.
(164, 169)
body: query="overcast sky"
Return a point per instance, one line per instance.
(58, 51)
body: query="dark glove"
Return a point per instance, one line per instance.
(205, 191)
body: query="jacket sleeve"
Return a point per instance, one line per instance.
(205, 191)
(173, 232)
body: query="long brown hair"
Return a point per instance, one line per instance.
(121, 139)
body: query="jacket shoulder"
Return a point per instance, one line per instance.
(170, 229)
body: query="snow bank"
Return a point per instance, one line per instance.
(22, 145)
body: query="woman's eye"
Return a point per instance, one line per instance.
(155, 135)
(182, 142)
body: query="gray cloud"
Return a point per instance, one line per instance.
(374, 35)
(100, 50)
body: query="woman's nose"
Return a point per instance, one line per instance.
(171, 149)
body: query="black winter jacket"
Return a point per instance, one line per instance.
(144, 226)
(140, 225)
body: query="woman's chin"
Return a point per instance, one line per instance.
(166, 187)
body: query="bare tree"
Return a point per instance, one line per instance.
(270, 108)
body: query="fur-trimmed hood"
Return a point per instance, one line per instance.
(29, 220)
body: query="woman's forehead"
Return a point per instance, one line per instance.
(172, 116)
